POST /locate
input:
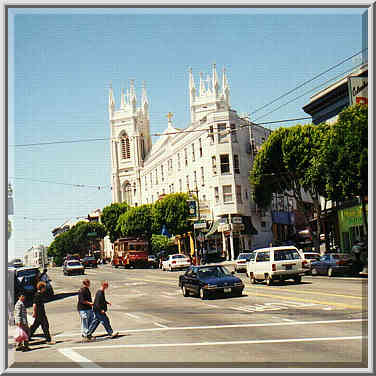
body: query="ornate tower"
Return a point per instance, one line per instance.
(130, 143)
(209, 98)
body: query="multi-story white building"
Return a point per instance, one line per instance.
(36, 256)
(213, 156)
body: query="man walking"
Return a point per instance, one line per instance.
(84, 307)
(100, 308)
(39, 314)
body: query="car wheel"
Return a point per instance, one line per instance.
(269, 280)
(184, 290)
(330, 272)
(314, 271)
(253, 279)
(298, 279)
(203, 294)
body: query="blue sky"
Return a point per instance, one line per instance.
(62, 61)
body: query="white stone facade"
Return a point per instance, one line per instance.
(36, 256)
(213, 154)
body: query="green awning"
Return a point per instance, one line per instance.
(249, 229)
(213, 229)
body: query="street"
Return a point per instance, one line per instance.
(322, 322)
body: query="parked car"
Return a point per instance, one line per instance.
(241, 261)
(276, 263)
(310, 257)
(73, 267)
(25, 282)
(331, 264)
(177, 261)
(207, 280)
(153, 262)
(89, 262)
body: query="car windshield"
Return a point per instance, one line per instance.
(246, 256)
(177, 256)
(213, 271)
(22, 273)
(311, 257)
(74, 263)
(286, 254)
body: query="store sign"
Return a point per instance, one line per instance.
(205, 210)
(358, 90)
(224, 227)
(192, 207)
(199, 225)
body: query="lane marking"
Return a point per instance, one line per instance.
(233, 326)
(158, 324)
(77, 358)
(282, 297)
(262, 341)
(309, 292)
(213, 306)
(133, 316)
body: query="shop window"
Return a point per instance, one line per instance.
(234, 136)
(227, 193)
(225, 164)
(222, 134)
(236, 164)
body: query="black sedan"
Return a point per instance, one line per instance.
(208, 280)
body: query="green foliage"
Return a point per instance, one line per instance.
(173, 212)
(75, 240)
(345, 153)
(161, 243)
(136, 222)
(110, 216)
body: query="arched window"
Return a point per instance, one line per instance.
(125, 147)
(127, 193)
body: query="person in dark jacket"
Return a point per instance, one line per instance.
(100, 309)
(84, 308)
(39, 314)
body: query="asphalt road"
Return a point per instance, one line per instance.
(319, 323)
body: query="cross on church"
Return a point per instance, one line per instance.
(169, 116)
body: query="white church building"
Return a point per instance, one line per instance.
(212, 156)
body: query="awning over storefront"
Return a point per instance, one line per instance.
(213, 229)
(249, 229)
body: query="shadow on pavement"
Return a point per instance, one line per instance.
(61, 296)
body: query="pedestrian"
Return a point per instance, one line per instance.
(39, 314)
(20, 317)
(100, 309)
(84, 307)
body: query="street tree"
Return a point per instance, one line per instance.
(345, 156)
(110, 216)
(161, 243)
(290, 163)
(136, 222)
(81, 235)
(172, 211)
(61, 246)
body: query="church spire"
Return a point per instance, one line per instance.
(215, 80)
(132, 93)
(111, 100)
(202, 85)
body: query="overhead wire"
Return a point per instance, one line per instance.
(308, 81)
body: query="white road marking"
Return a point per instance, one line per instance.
(212, 305)
(288, 320)
(223, 343)
(230, 326)
(158, 324)
(327, 308)
(133, 316)
(81, 360)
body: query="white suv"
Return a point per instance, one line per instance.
(276, 263)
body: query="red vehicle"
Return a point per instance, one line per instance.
(89, 262)
(130, 252)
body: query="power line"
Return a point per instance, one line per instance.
(308, 81)
(99, 187)
(309, 91)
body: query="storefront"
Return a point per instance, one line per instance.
(351, 226)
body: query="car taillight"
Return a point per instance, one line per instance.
(304, 262)
(173, 262)
(274, 267)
